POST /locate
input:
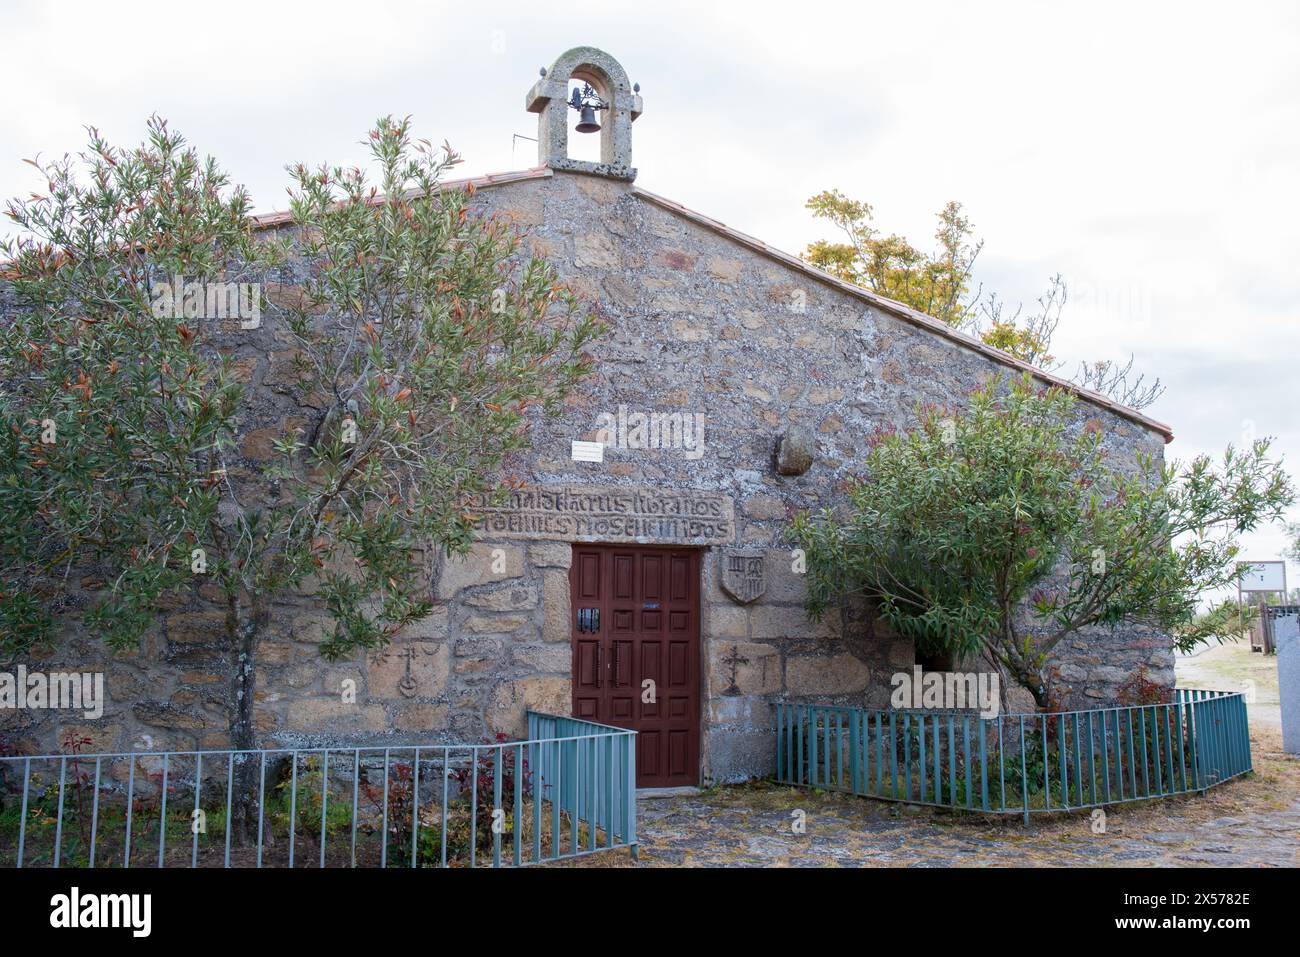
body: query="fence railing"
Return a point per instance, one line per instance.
(1021, 763)
(593, 776)
(568, 790)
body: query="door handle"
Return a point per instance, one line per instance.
(598, 681)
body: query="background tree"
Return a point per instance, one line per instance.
(940, 284)
(1000, 530)
(937, 284)
(423, 346)
(1226, 620)
(1293, 550)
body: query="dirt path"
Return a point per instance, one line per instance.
(1235, 667)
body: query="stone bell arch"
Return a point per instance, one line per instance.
(549, 99)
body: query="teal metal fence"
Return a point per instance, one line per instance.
(569, 790)
(590, 771)
(1018, 764)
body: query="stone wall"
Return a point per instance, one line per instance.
(700, 324)
(703, 324)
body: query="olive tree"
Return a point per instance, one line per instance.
(1001, 529)
(424, 345)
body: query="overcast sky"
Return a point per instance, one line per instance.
(1148, 152)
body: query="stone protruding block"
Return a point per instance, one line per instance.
(795, 451)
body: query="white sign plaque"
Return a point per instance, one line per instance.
(1263, 576)
(588, 451)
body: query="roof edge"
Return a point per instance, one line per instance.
(906, 313)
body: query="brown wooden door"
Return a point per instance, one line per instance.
(636, 618)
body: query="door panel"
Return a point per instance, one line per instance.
(586, 679)
(636, 618)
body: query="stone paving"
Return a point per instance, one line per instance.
(1251, 822)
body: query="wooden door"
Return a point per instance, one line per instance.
(636, 652)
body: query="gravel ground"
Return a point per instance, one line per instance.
(1250, 822)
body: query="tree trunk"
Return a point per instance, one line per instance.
(1031, 679)
(244, 625)
(1038, 688)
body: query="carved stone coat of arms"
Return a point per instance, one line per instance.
(743, 574)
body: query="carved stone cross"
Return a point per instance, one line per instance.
(735, 659)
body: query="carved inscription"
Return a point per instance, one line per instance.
(586, 513)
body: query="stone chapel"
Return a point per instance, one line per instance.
(735, 386)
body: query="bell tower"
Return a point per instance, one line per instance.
(611, 102)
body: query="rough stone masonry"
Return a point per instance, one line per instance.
(791, 371)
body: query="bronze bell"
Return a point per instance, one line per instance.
(587, 121)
